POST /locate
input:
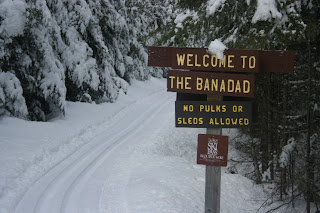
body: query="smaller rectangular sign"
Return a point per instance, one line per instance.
(212, 150)
(218, 114)
(239, 85)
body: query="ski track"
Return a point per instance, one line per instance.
(72, 185)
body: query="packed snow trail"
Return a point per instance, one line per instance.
(75, 184)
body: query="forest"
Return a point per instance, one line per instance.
(56, 51)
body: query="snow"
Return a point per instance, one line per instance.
(78, 58)
(232, 37)
(286, 151)
(11, 94)
(181, 17)
(266, 10)
(30, 149)
(113, 157)
(14, 18)
(217, 48)
(214, 5)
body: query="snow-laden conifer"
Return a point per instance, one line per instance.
(12, 101)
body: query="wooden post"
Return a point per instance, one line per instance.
(213, 175)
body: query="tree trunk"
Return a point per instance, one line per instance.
(309, 159)
(255, 162)
(292, 178)
(269, 128)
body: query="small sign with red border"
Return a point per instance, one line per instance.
(212, 150)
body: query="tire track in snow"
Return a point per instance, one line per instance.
(42, 192)
(72, 195)
(44, 163)
(46, 200)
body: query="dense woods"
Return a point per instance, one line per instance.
(57, 51)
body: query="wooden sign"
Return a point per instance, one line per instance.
(233, 61)
(221, 114)
(212, 150)
(240, 85)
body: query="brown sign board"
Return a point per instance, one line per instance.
(212, 150)
(218, 114)
(234, 60)
(240, 85)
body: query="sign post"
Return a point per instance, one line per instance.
(213, 174)
(212, 150)
(213, 182)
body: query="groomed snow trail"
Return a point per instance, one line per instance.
(76, 184)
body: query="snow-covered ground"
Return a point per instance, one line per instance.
(113, 157)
